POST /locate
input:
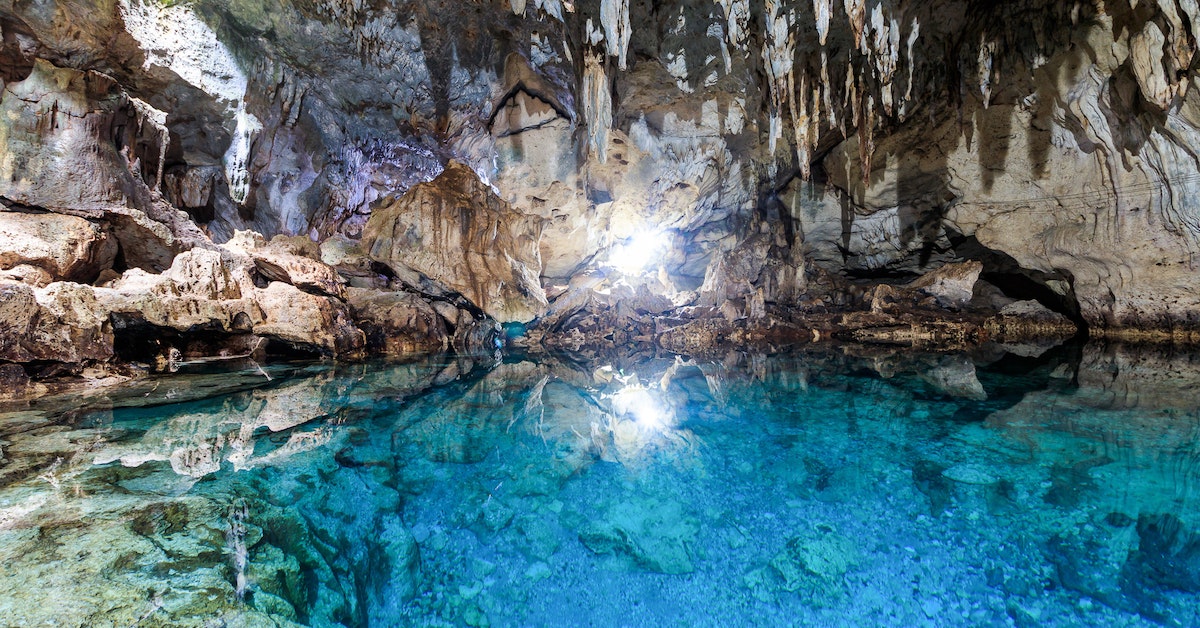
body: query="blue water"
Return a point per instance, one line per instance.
(846, 486)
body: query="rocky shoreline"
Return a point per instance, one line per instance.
(167, 199)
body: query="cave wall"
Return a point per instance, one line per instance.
(887, 138)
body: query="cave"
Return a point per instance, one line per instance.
(349, 313)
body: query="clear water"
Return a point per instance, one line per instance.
(811, 489)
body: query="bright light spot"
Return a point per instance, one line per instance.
(638, 253)
(644, 407)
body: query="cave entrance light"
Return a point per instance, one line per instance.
(638, 253)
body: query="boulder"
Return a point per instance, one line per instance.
(456, 231)
(62, 322)
(951, 285)
(307, 320)
(66, 247)
(24, 273)
(214, 291)
(398, 323)
(295, 261)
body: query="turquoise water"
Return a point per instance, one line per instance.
(842, 487)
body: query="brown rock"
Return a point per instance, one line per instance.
(398, 323)
(455, 230)
(66, 247)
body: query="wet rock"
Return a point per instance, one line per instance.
(656, 535)
(455, 230)
(1090, 561)
(398, 323)
(955, 376)
(970, 474)
(1170, 551)
(814, 565)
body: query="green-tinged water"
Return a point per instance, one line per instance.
(811, 489)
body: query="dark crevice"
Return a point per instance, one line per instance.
(1017, 282)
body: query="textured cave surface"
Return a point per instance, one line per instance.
(432, 175)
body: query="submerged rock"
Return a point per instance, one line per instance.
(657, 536)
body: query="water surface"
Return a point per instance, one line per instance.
(840, 487)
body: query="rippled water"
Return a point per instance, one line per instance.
(845, 487)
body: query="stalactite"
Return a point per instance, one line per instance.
(597, 105)
(158, 120)
(237, 158)
(800, 124)
(913, 33)
(823, 10)
(614, 16)
(779, 55)
(518, 7)
(866, 137)
(883, 54)
(852, 93)
(856, 13)
(987, 51)
(827, 90)
(737, 21)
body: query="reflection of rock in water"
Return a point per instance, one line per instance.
(377, 495)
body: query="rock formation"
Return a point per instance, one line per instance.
(209, 173)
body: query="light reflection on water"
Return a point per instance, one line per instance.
(851, 486)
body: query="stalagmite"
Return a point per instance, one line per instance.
(597, 105)
(614, 15)
(823, 10)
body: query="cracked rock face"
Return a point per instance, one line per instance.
(457, 230)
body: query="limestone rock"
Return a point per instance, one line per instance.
(24, 273)
(214, 290)
(294, 261)
(66, 247)
(951, 285)
(294, 316)
(74, 142)
(62, 322)
(397, 323)
(760, 266)
(455, 230)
